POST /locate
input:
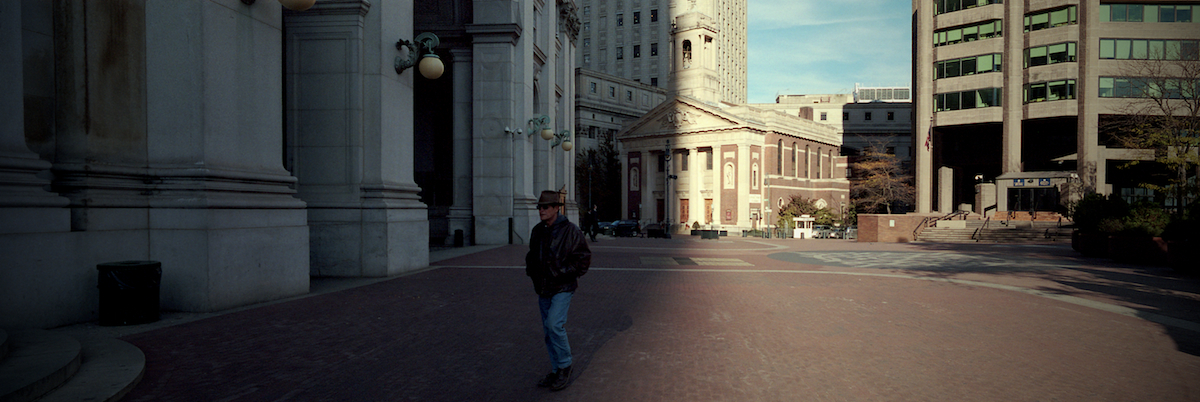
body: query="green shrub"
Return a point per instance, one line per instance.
(1110, 225)
(1088, 212)
(1145, 220)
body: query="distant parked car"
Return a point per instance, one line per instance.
(822, 231)
(626, 228)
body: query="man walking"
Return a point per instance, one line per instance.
(591, 223)
(558, 255)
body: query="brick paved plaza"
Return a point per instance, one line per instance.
(732, 319)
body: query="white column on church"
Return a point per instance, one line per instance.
(717, 185)
(649, 186)
(695, 182)
(744, 185)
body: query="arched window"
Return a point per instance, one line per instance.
(779, 159)
(687, 54)
(831, 164)
(795, 169)
(807, 161)
(754, 176)
(819, 171)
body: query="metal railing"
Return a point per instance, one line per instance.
(931, 221)
(978, 235)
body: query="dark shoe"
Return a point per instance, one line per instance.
(549, 380)
(563, 379)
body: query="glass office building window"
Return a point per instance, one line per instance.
(1050, 54)
(948, 6)
(968, 66)
(1049, 91)
(1149, 49)
(1135, 87)
(968, 33)
(976, 98)
(1149, 13)
(1050, 19)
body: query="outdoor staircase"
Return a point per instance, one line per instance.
(997, 231)
(39, 365)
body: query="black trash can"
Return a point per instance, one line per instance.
(129, 292)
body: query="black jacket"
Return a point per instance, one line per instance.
(558, 255)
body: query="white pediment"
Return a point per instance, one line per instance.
(680, 115)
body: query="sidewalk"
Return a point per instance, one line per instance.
(680, 319)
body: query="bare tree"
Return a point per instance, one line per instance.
(1162, 113)
(879, 180)
(598, 178)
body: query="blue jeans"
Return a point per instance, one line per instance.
(554, 318)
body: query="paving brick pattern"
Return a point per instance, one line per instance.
(784, 320)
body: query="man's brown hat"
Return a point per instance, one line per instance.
(550, 197)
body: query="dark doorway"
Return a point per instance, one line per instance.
(1033, 199)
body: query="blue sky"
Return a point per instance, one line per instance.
(824, 47)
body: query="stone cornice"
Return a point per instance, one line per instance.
(337, 7)
(494, 33)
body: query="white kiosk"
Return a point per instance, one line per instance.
(804, 227)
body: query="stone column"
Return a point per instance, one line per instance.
(624, 191)
(498, 185)
(649, 186)
(461, 211)
(1091, 158)
(34, 221)
(695, 182)
(717, 185)
(945, 190)
(744, 163)
(1012, 101)
(923, 114)
(351, 115)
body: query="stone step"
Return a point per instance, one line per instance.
(38, 361)
(50, 366)
(110, 369)
(1018, 233)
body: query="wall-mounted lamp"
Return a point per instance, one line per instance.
(563, 138)
(541, 125)
(421, 48)
(294, 5)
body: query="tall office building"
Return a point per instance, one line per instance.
(631, 39)
(1018, 92)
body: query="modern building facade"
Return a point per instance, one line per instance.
(631, 39)
(699, 159)
(247, 148)
(1009, 96)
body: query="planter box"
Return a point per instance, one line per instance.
(709, 234)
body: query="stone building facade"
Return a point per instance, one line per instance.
(247, 147)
